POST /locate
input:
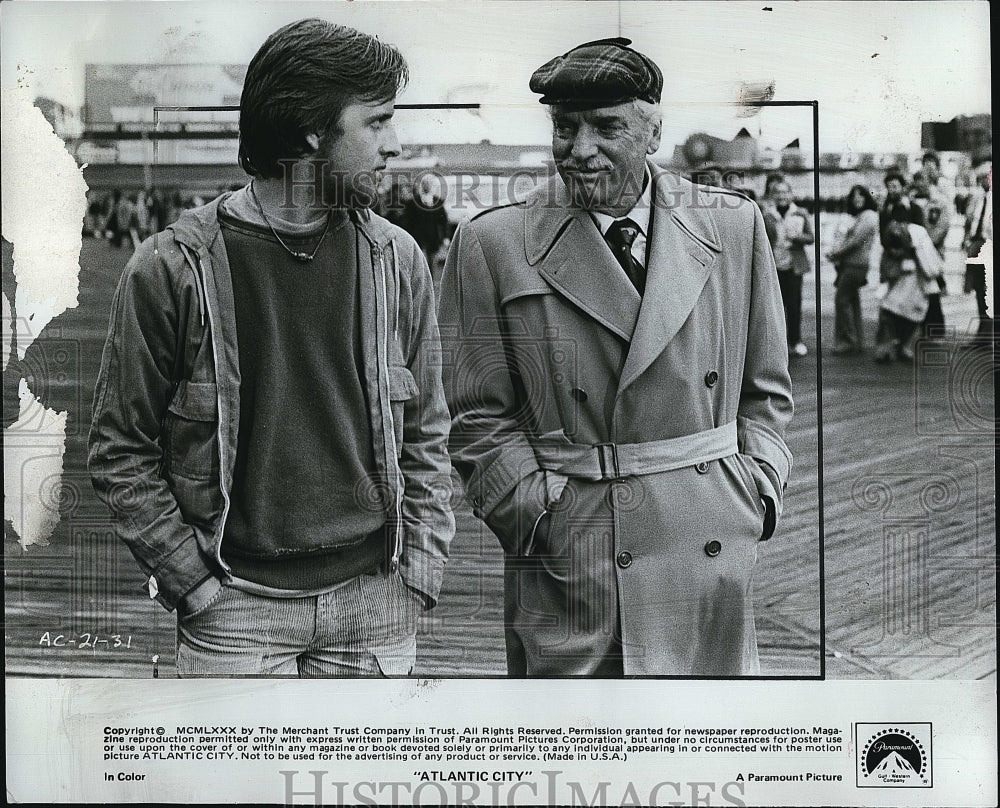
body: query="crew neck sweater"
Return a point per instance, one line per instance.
(300, 518)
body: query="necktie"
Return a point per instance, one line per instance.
(620, 236)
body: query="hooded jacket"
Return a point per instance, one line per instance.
(166, 407)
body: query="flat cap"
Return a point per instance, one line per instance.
(602, 73)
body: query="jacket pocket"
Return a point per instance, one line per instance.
(191, 431)
(402, 388)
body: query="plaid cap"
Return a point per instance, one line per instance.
(602, 73)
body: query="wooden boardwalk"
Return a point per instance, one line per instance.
(907, 503)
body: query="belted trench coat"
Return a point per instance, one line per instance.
(628, 452)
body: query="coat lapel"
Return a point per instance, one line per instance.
(569, 252)
(683, 247)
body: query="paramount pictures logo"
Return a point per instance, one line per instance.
(893, 755)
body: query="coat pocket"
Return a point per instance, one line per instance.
(402, 389)
(191, 431)
(764, 505)
(742, 463)
(551, 540)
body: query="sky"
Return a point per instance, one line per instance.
(877, 69)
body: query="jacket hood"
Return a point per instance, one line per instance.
(198, 227)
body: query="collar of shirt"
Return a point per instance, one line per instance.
(640, 214)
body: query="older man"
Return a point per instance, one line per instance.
(616, 368)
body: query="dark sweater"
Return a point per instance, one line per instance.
(301, 516)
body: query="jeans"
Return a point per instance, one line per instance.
(366, 627)
(848, 334)
(790, 284)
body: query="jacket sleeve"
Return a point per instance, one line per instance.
(489, 439)
(428, 523)
(807, 236)
(765, 406)
(134, 387)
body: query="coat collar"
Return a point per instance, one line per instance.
(569, 252)
(683, 247)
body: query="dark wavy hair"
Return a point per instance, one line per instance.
(299, 82)
(868, 201)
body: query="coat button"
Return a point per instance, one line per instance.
(578, 394)
(624, 559)
(702, 467)
(713, 548)
(711, 378)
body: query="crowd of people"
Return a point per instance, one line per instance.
(910, 229)
(125, 218)
(906, 234)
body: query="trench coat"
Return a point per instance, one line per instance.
(627, 452)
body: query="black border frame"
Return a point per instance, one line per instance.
(817, 254)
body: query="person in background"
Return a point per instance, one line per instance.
(963, 193)
(852, 259)
(789, 229)
(157, 211)
(979, 232)
(934, 200)
(118, 217)
(910, 266)
(140, 218)
(936, 211)
(425, 219)
(93, 222)
(770, 182)
(897, 207)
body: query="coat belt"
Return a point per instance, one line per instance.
(609, 461)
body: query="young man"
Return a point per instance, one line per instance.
(618, 381)
(269, 424)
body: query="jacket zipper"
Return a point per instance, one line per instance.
(391, 460)
(199, 271)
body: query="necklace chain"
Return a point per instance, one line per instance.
(304, 257)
